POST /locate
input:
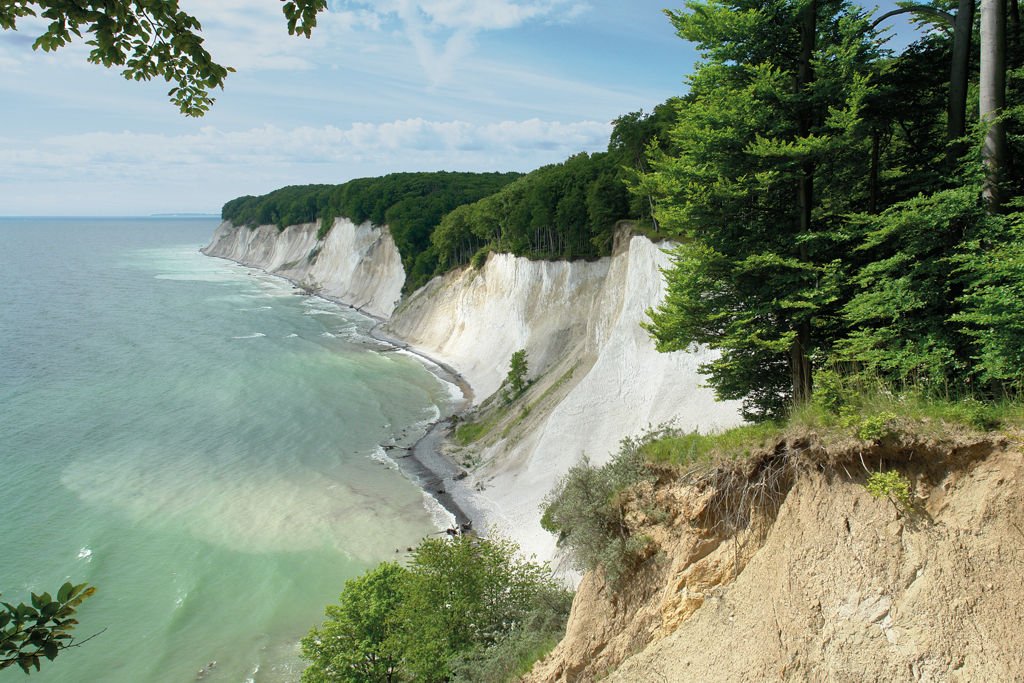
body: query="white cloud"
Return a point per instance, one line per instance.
(141, 172)
(270, 144)
(443, 32)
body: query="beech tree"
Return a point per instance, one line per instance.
(355, 642)
(962, 24)
(31, 632)
(146, 39)
(992, 96)
(767, 156)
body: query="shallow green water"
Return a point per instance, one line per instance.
(197, 440)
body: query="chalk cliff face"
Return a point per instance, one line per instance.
(356, 264)
(598, 376)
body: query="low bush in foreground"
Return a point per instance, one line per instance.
(464, 609)
(585, 509)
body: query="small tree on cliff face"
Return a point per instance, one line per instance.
(515, 382)
(356, 642)
(767, 157)
(460, 601)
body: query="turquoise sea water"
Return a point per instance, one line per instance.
(196, 439)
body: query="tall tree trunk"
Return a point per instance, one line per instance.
(800, 363)
(993, 96)
(963, 30)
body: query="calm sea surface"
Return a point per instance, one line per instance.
(197, 440)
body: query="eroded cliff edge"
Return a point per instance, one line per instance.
(596, 375)
(785, 568)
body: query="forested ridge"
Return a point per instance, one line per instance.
(411, 204)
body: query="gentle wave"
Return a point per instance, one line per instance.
(381, 456)
(256, 335)
(455, 393)
(441, 517)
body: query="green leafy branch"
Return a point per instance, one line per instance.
(41, 629)
(147, 38)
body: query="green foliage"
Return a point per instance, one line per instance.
(561, 211)
(752, 278)
(515, 381)
(146, 40)
(460, 603)
(891, 485)
(356, 642)
(515, 654)
(585, 510)
(982, 416)
(566, 210)
(992, 313)
(479, 259)
(875, 427)
(899, 315)
(41, 629)
(694, 448)
(468, 432)
(506, 661)
(830, 393)
(898, 268)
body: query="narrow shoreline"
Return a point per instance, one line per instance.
(423, 463)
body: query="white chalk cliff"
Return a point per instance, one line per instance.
(599, 378)
(356, 264)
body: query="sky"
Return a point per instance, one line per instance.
(382, 86)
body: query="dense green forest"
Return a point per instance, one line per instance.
(842, 207)
(560, 211)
